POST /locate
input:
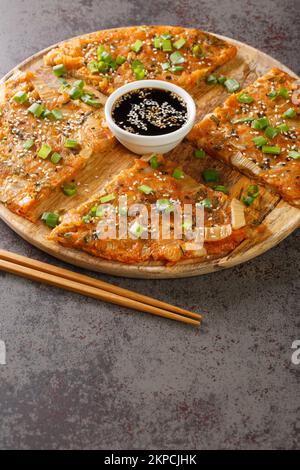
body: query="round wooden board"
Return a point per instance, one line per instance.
(280, 221)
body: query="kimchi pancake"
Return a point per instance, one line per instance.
(111, 58)
(257, 131)
(163, 185)
(46, 137)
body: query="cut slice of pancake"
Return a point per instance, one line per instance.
(160, 184)
(257, 131)
(112, 58)
(46, 137)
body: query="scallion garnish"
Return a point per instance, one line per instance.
(179, 43)
(107, 198)
(260, 123)
(199, 153)
(50, 219)
(57, 114)
(136, 47)
(242, 120)
(138, 69)
(177, 58)
(165, 65)
(71, 144)
(210, 175)
(212, 80)
(75, 93)
(20, 97)
(167, 45)
(144, 188)
(136, 229)
(164, 205)
(120, 59)
(245, 98)
(178, 174)
(232, 85)
(260, 141)
(86, 219)
(69, 189)
(157, 42)
(294, 154)
(102, 66)
(284, 93)
(271, 132)
(206, 203)
(55, 158)
(36, 109)
(59, 70)
(176, 68)
(154, 162)
(274, 150)
(272, 94)
(289, 113)
(90, 101)
(93, 66)
(28, 144)
(197, 51)
(44, 151)
(283, 127)
(222, 79)
(221, 188)
(252, 193)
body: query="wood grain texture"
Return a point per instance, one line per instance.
(279, 217)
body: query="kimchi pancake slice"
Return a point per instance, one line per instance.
(161, 184)
(257, 131)
(46, 137)
(111, 58)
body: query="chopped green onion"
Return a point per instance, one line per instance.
(241, 120)
(145, 189)
(46, 114)
(57, 114)
(275, 150)
(177, 173)
(164, 205)
(283, 127)
(59, 70)
(179, 43)
(260, 141)
(154, 162)
(284, 93)
(232, 85)
(245, 98)
(71, 144)
(20, 97)
(248, 200)
(55, 158)
(28, 144)
(99, 212)
(221, 188)
(50, 219)
(75, 93)
(165, 66)
(139, 74)
(222, 79)
(206, 203)
(36, 109)
(166, 35)
(136, 47)
(260, 123)
(212, 80)
(90, 101)
(253, 190)
(271, 132)
(107, 198)
(93, 66)
(100, 50)
(105, 57)
(44, 151)
(199, 153)
(289, 113)
(197, 51)
(210, 174)
(136, 229)
(78, 84)
(69, 189)
(177, 58)
(176, 68)
(102, 66)
(167, 45)
(294, 154)
(93, 211)
(272, 94)
(157, 42)
(120, 59)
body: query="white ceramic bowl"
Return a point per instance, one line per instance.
(143, 144)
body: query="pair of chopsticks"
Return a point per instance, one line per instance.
(91, 287)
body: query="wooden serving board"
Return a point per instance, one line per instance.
(279, 217)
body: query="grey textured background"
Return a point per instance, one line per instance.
(82, 374)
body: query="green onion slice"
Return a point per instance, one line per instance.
(274, 150)
(71, 144)
(120, 59)
(144, 188)
(260, 141)
(232, 85)
(221, 188)
(212, 80)
(177, 58)
(210, 175)
(36, 109)
(178, 174)
(200, 153)
(206, 203)
(55, 158)
(294, 154)
(179, 43)
(245, 98)
(136, 47)
(44, 151)
(57, 114)
(50, 219)
(20, 97)
(167, 45)
(69, 189)
(283, 127)
(242, 120)
(164, 205)
(154, 162)
(59, 70)
(28, 144)
(289, 113)
(260, 123)
(107, 198)
(271, 132)
(136, 229)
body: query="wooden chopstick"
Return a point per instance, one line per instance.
(63, 278)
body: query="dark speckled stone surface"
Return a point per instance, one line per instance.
(81, 374)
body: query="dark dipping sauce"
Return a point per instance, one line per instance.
(150, 111)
